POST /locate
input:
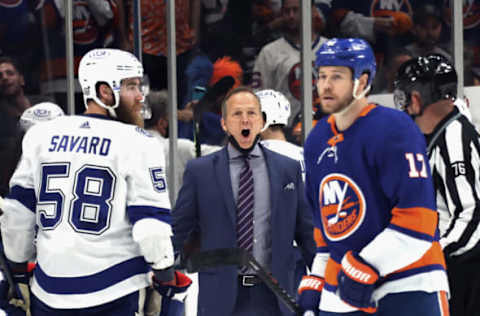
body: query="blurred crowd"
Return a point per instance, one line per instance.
(250, 42)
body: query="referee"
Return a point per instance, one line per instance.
(426, 89)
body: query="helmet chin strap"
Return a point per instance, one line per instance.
(355, 87)
(244, 151)
(110, 108)
(355, 97)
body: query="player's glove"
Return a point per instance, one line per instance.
(21, 272)
(356, 282)
(309, 292)
(169, 282)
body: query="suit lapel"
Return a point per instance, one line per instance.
(275, 179)
(222, 173)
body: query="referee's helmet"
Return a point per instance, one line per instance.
(433, 76)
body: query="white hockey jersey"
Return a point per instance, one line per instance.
(89, 184)
(278, 67)
(185, 151)
(287, 149)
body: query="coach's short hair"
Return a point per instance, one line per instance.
(236, 91)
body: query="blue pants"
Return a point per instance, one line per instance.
(124, 306)
(406, 303)
(257, 300)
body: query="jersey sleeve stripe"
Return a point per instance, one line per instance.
(25, 196)
(136, 213)
(432, 260)
(411, 233)
(331, 273)
(91, 283)
(416, 219)
(433, 256)
(318, 237)
(403, 274)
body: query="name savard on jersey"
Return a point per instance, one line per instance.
(80, 144)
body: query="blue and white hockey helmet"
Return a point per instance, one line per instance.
(40, 112)
(275, 107)
(354, 53)
(110, 66)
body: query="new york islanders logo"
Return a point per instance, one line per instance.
(471, 13)
(342, 206)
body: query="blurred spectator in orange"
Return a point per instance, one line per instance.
(227, 74)
(154, 40)
(95, 24)
(224, 67)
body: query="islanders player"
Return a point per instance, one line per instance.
(95, 188)
(368, 183)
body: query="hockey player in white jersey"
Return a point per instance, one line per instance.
(276, 112)
(95, 188)
(38, 113)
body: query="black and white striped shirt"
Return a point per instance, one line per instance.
(454, 156)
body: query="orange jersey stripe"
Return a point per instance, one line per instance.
(338, 137)
(418, 219)
(331, 272)
(434, 255)
(367, 109)
(443, 302)
(318, 237)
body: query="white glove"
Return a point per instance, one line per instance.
(153, 237)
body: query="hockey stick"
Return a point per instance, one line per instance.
(239, 257)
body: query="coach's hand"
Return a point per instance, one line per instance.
(309, 293)
(356, 282)
(169, 282)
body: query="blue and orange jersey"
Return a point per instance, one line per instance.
(154, 27)
(87, 34)
(370, 189)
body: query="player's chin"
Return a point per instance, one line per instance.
(130, 116)
(328, 107)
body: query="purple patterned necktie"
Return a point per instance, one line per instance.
(245, 205)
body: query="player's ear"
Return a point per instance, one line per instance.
(222, 122)
(363, 81)
(415, 102)
(105, 93)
